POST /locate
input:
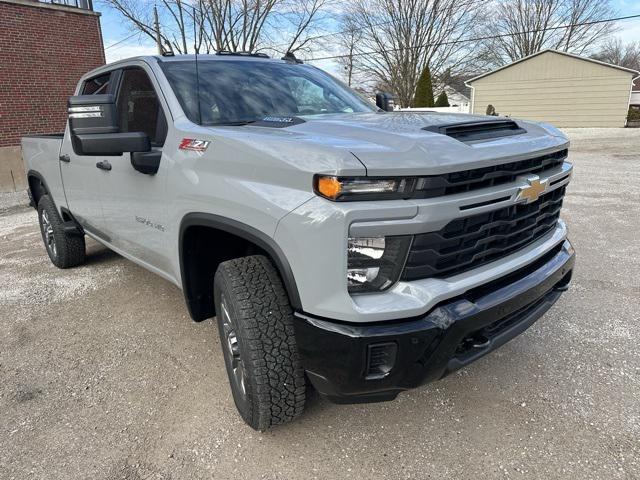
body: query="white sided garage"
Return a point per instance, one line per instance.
(556, 87)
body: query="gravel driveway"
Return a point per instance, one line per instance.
(104, 376)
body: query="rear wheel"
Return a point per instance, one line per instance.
(65, 249)
(255, 322)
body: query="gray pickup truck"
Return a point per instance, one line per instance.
(341, 246)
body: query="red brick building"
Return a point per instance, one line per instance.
(44, 49)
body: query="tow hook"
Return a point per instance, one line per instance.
(481, 341)
(475, 341)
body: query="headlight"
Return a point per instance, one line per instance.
(363, 188)
(375, 263)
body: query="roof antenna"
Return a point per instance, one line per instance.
(291, 58)
(196, 47)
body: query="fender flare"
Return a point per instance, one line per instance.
(38, 175)
(251, 234)
(72, 226)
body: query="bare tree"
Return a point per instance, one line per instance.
(525, 27)
(401, 37)
(237, 25)
(173, 13)
(615, 52)
(303, 16)
(348, 40)
(233, 25)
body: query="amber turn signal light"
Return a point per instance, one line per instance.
(329, 187)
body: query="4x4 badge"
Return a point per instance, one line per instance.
(532, 192)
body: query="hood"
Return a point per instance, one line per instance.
(411, 143)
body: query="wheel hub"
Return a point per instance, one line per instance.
(49, 237)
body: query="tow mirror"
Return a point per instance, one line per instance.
(93, 124)
(385, 101)
(92, 114)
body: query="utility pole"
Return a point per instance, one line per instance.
(156, 24)
(350, 62)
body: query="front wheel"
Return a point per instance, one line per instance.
(255, 322)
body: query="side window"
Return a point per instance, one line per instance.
(139, 109)
(96, 85)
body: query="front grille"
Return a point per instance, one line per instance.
(468, 180)
(467, 243)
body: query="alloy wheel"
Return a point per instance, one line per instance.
(232, 351)
(49, 237)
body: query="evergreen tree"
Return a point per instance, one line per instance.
(424, 90)
(442, 100)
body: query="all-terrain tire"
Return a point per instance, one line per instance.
(255, 321)
(65, 249)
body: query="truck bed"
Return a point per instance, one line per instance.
(45, 135)
(41, 154)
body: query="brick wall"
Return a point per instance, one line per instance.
(44, 50)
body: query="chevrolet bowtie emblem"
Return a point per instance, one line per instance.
(532, 192)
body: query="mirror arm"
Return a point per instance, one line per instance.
(146, 162)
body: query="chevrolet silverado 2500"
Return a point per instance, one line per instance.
(339, 245)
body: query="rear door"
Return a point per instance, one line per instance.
(80, 176)
(134, 203)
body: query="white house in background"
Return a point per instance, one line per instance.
(457, 99)
(635, 94)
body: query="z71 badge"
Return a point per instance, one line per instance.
(194, 145)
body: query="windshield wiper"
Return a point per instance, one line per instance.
(239, 123)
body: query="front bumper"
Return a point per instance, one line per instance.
(452, 335)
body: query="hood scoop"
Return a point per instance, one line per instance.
(478, 130)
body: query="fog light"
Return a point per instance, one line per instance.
(375, 263)
(360, 276)
(381, 357)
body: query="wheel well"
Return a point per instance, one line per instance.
(37, 188)
(203, 248)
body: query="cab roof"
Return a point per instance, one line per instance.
(201, 58)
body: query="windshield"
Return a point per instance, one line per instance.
(238, 92)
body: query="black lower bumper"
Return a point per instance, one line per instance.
(337, 355)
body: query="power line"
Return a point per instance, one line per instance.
(357, 54)
(333, 34)
(121, 41)
(476, 39)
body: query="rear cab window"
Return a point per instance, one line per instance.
(96, 85)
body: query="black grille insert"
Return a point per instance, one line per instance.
(467, 243)
(467, 180)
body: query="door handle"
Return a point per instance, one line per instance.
(104, 165)
(65, 158)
